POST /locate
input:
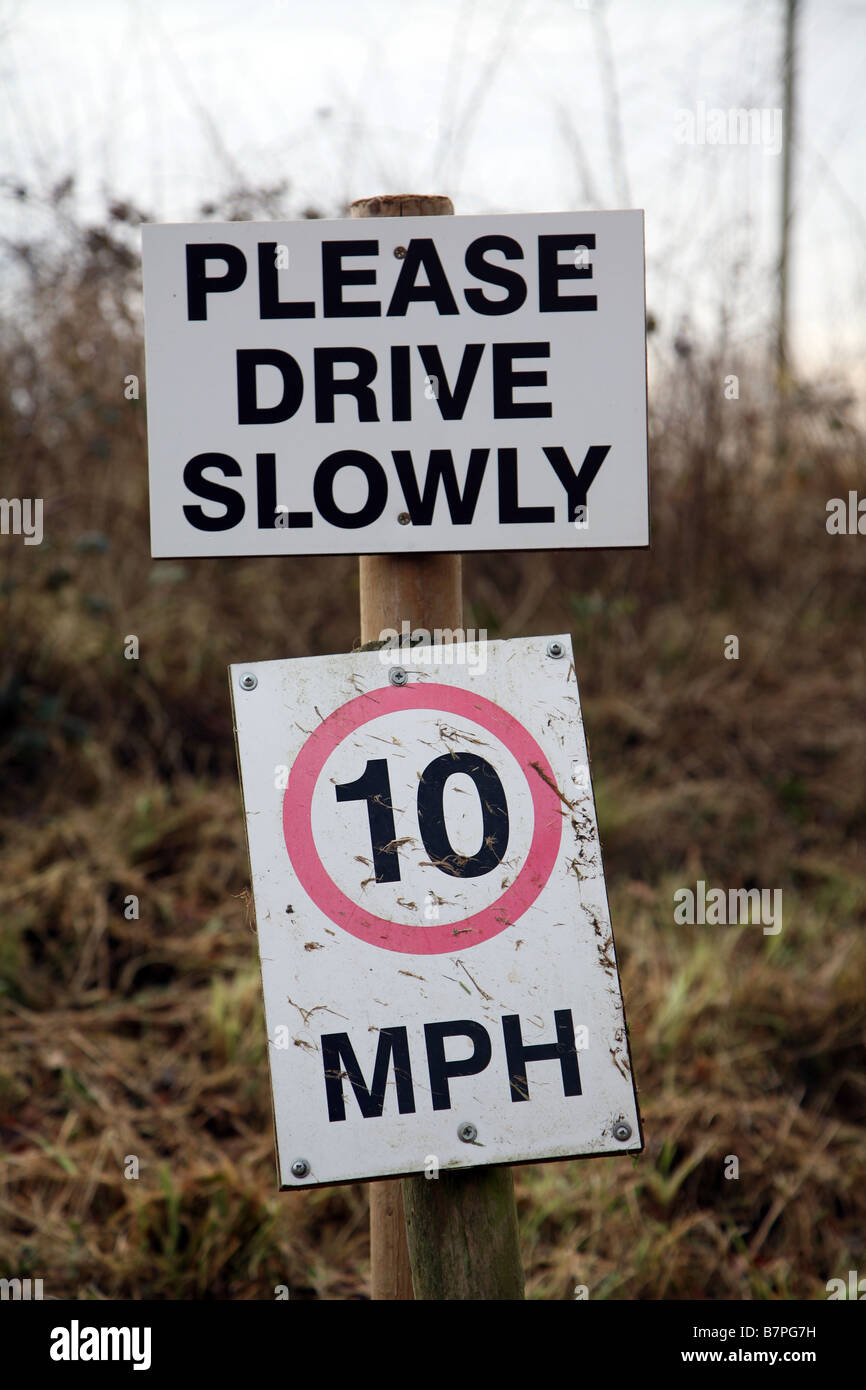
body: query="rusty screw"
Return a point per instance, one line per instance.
(399, 252)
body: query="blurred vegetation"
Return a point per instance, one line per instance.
(146, 1036)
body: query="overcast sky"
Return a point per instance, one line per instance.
(503, 104)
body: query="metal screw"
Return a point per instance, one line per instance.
(468, 1133)
(555, 649)
(248, 681)
(404, 518)
(622, 1131)
(300, 1167)
(399, 252)
(398, 675)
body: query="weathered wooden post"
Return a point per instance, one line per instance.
(462, 1227)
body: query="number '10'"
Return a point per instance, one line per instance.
(374, 787)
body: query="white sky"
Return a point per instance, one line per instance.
(170, 102)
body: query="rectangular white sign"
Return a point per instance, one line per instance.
(440, 984)
(397, 384)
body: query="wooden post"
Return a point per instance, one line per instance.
(788, 75)
(462, 1227)
(462, 1233)
(783, 347)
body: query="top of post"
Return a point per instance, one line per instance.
(403, 205)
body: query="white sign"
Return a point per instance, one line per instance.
(397, 384)
(440, 982)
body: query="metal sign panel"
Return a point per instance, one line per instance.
(440, 984)
(397, 384)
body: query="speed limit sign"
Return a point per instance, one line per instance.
(439, 975)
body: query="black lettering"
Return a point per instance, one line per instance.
(266, 491)
(494, 811)
(200, 486)
(323, 489)
(270, 304)
(328, 386)
(335, 275)
(550, 272)
(506, 380)
(421, 252)
(440, 466)
(495, 275)
(337, 1053)
(199, 285)
(374, 787)
(401, 399)
(577, 485)
(249, 410)
(564, 1051)
(510, 510)
(440, 1070)
(452, 406)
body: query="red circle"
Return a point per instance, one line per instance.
(400, 936)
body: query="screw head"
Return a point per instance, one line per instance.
(399, 252)
(622, 1131)
(467, 1133)
(404, 518)
(555, 649)
(300, 1168)
(398, 675)
(248, 681)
